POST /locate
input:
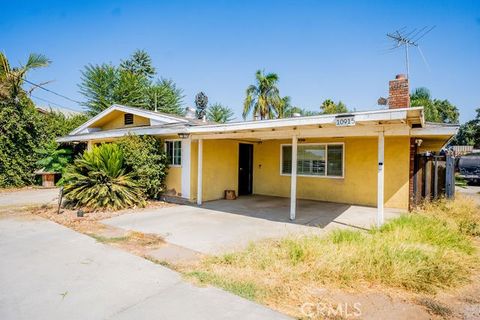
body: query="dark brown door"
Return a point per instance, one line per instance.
(245, 169)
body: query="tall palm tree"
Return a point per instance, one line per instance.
(11, 79)
(263, 98)
(285, 108)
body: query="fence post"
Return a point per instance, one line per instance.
(450, 177)
(435, 178)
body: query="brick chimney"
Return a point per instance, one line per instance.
(399, 93)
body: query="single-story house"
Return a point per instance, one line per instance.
(363, 158)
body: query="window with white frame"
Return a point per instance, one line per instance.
(314, 160)
(173, 148)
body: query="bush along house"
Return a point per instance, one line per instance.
(362, 158)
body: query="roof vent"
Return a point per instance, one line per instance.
(190, 113)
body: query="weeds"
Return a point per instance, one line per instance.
(435, 307)
(423, 252)
(243, 289)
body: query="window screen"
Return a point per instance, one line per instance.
(174, 152)
(314, 159)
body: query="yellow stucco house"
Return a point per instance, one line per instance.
(362, 158)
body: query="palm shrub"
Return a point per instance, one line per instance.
(99, 180)
(146, 158)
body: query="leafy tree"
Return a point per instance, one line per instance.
(20, 134)
(201, 102)
(448, 113)
(330, 107)
(21, 129)
(262, 98)
(99, 179)
(219, 113)
(56, 124)
(165, 95)
(305, 112)
(104, 85)
(53, 158)
(139, 63)
(129, 84)
(146, 159)
(469, 133)
(435, 110)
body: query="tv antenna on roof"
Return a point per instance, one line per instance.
(405, 38)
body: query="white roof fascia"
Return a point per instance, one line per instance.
(116, 107)
(433, 130)
(364, 116)
(99, 135)
(378, 115)
(151, 114)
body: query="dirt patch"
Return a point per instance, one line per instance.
(135, 242)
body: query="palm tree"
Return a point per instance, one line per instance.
(330, 107)
(263, 98)
(11, 79)
(219, 113)
(285, 108)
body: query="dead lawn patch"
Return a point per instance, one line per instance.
(429, 251)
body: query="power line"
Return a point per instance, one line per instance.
(48, 90)
(54, 103)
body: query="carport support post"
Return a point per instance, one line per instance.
(199, 173)
(380, 183)
(293, 180)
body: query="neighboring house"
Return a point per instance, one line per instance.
(361, 158)
(66, 112)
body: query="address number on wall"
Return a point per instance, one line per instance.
(345, 121)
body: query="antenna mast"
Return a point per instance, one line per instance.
(406, 39)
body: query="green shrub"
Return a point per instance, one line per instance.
(20, 133)
(99, 180)
(54, 159)
(145, 157)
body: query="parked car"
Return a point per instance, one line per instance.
(469, 167)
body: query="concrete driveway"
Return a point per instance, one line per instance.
(223, 225)
(470, 191)
(51, 272)
(27, 197)
(205, 230)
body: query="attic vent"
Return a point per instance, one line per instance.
(128, 118)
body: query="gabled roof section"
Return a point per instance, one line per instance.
(156, 117)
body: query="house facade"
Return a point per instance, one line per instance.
(361, 158)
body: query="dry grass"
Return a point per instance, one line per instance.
(422, 252)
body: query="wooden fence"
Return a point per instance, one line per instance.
(433, 177)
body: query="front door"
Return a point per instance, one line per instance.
(245, 169)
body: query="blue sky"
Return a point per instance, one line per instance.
(320, 49)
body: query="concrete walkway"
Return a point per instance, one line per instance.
(27, 197)
(51, 272)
